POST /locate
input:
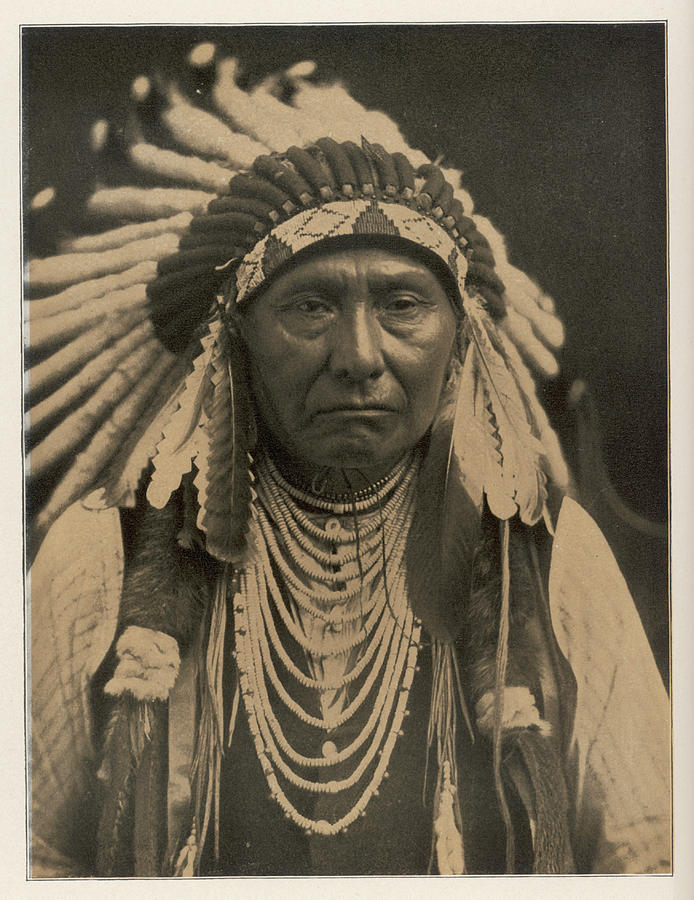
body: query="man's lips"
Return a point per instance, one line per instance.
(355, 409)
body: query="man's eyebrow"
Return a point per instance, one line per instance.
(403, 275)
(306, 284)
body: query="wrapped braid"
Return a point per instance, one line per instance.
(432, 187)
(365, 177)
(314, 169)
(386, 170)
(337, 158)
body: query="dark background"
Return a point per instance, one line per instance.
(560, 133)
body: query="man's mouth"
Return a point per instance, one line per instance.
(356, 409)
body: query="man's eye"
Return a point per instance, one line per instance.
(402, 303)
(311, 306)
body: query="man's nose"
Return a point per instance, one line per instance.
(357, 352)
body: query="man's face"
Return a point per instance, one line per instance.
(349, 352)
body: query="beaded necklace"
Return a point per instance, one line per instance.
(341, 603)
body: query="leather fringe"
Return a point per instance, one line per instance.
(132, 828)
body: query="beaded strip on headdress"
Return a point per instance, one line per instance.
(341, 219)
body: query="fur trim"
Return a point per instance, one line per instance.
(479, 634)
(166, 584)
(520, 711)
(148, 664)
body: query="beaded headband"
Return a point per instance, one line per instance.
(340, 219)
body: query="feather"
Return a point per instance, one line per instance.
(474, 451)
(205, 134)
(122, 478)
(52, 372)
(334, 113)
(73, 297)
(534, 350)
(87, 379)
(85, 420)
(57, 329)
(73, 267)
(101, 448)
(118, 237)
(147, 203)
(525, 298)
(178, 448)
(553, 455)
(519, 450)
(531, 320)
(208, 176)
(259, 115)
(230, 425)
(202, 474)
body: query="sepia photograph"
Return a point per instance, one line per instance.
(346, 450)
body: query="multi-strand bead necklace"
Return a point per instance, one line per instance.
(341, 602)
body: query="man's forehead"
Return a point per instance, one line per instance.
(377, 264)
(372, 262)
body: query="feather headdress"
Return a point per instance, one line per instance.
(128, 358)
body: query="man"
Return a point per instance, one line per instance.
(344, 643)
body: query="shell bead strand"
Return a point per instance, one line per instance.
(352, 595)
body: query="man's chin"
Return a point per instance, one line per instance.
(372, 457)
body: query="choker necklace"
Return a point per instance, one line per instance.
(336, 590)
(345, 501)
